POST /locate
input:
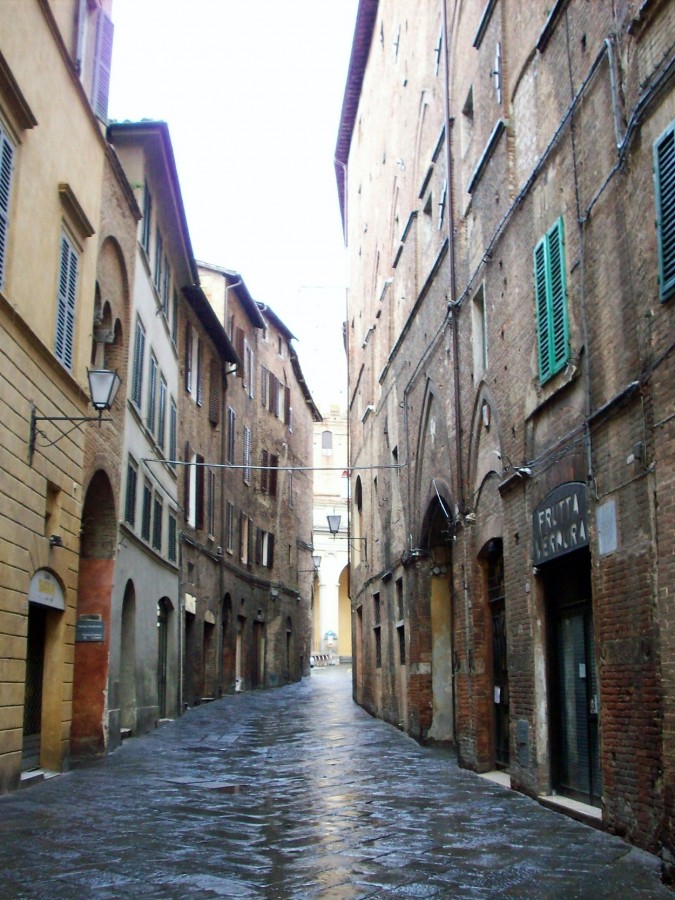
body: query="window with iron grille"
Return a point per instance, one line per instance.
(551, 302)
(147, 511)
(6, 168)
(137, 373)
(157, 523)
(664, 175)
(130, 495)
(65, 312)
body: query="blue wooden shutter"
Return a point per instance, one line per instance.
(664, 172)
(65, 313)
(6, 159)
(102, 64)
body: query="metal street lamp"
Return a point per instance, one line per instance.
(333, 524)
(103, 387)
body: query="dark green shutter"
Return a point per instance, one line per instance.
(551, 302)
(664, 171)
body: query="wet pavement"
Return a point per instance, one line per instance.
(298, 793)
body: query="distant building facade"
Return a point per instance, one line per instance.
(500, 170)
(266, 543)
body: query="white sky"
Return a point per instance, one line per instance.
(252, 93)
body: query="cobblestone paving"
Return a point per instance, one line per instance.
(298, 793)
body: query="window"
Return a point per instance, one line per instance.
(171, 537)
(6, 161)
(147, 219)
(157, 523)
(194, 489)
(264, 472)
(199, 373)
(215, 391)
(268, 473)
(65, 313)
(188, 358)
(479, 334)
(291, 490)
(102, 62)
(147, 511)
(274, 466)
(229, 527)
(166, 286)
(245, 532)
(173, 431)
(664, 174)
(288, 412)
(377, 630)
(249, 369)
(264, 548)
(159, 257)
(264, 386)
(137, 374)
(152, 395)
(442, 204)
(161, 413)
(551, 302)
(211, 501)
(174, 317)
(247, 455)
(231, 418)
(130, 496)
(327, 443)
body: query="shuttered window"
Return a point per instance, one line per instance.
(137, 374)
(171, 538)
(161, 413)
(231, 419)
(247, 455)
(664, 173)
(152, 395)
(264, 383)
(159, 258)
(147, 219)
(188, 357)
(6, 166)
(147, 511)
(274, 465)
(551, 302)
(264, 472)
(214, 392)
(157, 523)
(130, 496)
(229, 527)
(211, 501)
(199, 374)
(199, 500)
(102, 63)
(65, 313)
(173, 431)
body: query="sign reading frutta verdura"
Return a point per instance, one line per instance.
(560, 522)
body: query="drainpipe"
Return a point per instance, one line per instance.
(220, 643)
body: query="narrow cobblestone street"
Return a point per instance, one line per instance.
(298, 793)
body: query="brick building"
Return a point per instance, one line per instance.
(510, 340)
(265, 610)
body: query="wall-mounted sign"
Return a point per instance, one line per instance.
(89, 629)
(560, 522)
(45, 589)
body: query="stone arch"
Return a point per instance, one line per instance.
(433, 471)
(112, 307)
(344, 616)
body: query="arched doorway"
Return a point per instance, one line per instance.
(437, 540)
(92, 632)
(163, 614)
(344, 617)
(128, 662)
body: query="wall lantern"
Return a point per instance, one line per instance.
(333, 524)
(103, 387)
(316, 562)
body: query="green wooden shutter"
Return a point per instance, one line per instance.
(543, 327)
(550, 288)
(664, 173)
(137, 375)
(558, 295)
